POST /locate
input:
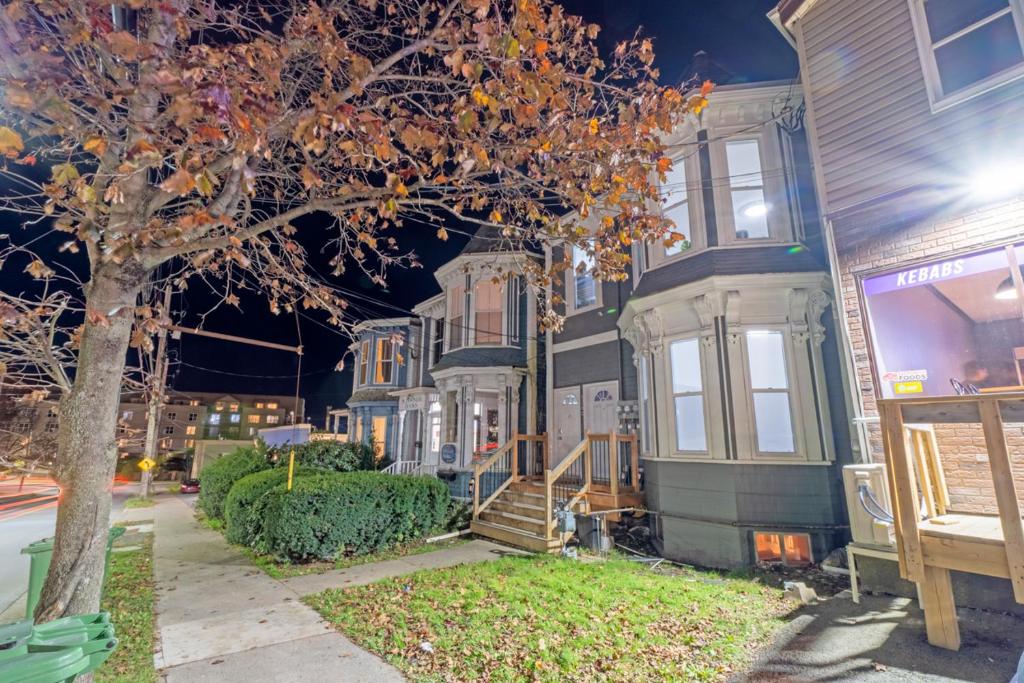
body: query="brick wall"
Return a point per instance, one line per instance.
(961, 446)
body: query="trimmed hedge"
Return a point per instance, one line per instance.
(243, 508)
(336, 456)
(327, 515)
(217, 478)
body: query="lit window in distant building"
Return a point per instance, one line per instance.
(215, 419)
(273, 419)
(272, 405)
(191, 429)
(252, 419)
(234, 407)
(487, 302)
(193, 402)
(189, 443)
(364, 362)
(252, 431)
(235, 418)
(584, 287)
(385, 361)
(218, 406)
(259, 405)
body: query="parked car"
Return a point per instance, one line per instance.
(190, 486)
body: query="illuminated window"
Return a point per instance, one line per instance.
(193, 402)
(364, 361)
(456, 307)
(235, 418)
(487, 303)
(675, 201)
(234, 407)
(253, 419)
(191, 429)
(379, 435)
(688, 396)
(273, 419)
(746, 188)
(791, 549)
(769, 386)
(272, 405)
(189, 443)
(218, 406)
(259, 406)
(215, 419)
(968, 46)
(384, 368)
(584, 287)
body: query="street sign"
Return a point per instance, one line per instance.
(146, 464)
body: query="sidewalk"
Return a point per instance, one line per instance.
(219, 618)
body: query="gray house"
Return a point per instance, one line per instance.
(720, 349)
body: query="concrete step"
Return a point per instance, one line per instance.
(514, 537)
(514, 521)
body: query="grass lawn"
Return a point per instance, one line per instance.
(129, 598)
(544, 618)
(284, 570)
(139, 503)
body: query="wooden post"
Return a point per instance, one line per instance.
(939, 609)
(613, 463)
(1006, 496)
(476, 491)
(916, 438)
(905, 491)
(634, 450)
(588, 464)
(515, 458)
(548, 511)
(546, 451)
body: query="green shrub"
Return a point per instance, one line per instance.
(327, 515)
(217, 478)
(243, 508)
(330, 455)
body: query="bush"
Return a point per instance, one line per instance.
(217, 478)
(327, 515)
(243, 508)
(331, 455)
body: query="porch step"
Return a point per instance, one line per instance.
(513, 521)
(516, 537)
(524, 497)
(532, 509)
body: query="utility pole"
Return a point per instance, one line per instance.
(156, 396)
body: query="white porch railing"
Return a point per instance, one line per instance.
(402, 467)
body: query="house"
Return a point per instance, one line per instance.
(915, 110)
(381, 352)
(720, 350)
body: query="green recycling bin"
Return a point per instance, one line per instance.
(40, 553)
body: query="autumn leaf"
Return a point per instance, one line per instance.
(232, 300)
(442, 234)
(11, 144)
(310, 178)
(664, 165)
(706, 88)
(65, 173)
(96, 145)
(593, 125)
(39, 270)
(401, 190)
(124, 45)
(479, 8)
(180, 183)
(540, 47)
(210, 133)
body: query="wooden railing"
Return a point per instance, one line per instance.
(492, 476)
(616, 462)
(567, 483)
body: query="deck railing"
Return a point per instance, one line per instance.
(492, 476)
(402, 467)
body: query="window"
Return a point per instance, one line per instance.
(252, 431)
(792, 549)
(435, 427)
(968, 46)
(259, 405)
(127, 415)
(379, 435)
(273, 419)
(487, 301)
(675, 200)
(193, 402)
(252, 419)
(746, 189)
(359, 428)
(169, 429)
(218, 406)
(234, 407)
(51, 411)
(438, 344)
(272, 405)
(364, 361)
(172, 415)
(215, 419)
(456, 306)
(235, 418)
(769, 385)
(603, 395)
(190, 430)
(385, 361)
(192, 417)
(189, 443)
(688, 396)
(584, 287)
(51, 427)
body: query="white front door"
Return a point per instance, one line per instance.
(567, 423)
(599, 403)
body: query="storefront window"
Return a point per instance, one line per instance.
(949, 327)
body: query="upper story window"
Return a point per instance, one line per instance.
(456, 309)
(438, 341)
(364, 361)
(583, 291)
(688, 396)
(272, 405)
(384, 370)
(487, 302)
(968, 46)
(746, 190)
(769, 388)
(675, 200)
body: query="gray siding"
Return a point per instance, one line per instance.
(876, 132)
(597, 363)
(601, 319)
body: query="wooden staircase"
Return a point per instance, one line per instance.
(515, 491)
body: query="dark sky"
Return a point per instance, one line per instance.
(735, 33)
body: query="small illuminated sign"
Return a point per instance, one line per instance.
(901, 388)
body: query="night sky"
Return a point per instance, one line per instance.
(735, 34)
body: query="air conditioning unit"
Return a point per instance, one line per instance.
(867, 501)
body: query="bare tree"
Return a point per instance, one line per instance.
(194, 136)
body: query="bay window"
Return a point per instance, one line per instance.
(583, 286)
(968, 46)
(675, 200)
(364, 361)
(688, 396)
(385, 361)
(456, 308)
(770, 394)
(487, 306)
(746, 189)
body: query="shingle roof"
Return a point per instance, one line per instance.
(372, 395)
(481, 357)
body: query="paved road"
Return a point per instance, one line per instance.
(28, 513)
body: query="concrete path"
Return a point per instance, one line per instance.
(882, 640)
(221, 619)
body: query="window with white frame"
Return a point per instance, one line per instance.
(746, 189)
(688, 396)
(456, 307)
(968, 46)
(384, 369)
(675, 202)
(364, 361)
(584, 287)
(487, 304)
(769, 387)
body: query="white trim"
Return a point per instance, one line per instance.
(583, 342)
(938, 99)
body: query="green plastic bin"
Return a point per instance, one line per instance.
(55, 666)
(40, 553)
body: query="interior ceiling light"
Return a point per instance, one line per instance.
(756, 210)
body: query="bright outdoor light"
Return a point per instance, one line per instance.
(756, 210)
(1001, 180)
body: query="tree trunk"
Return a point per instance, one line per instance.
(86, 446)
